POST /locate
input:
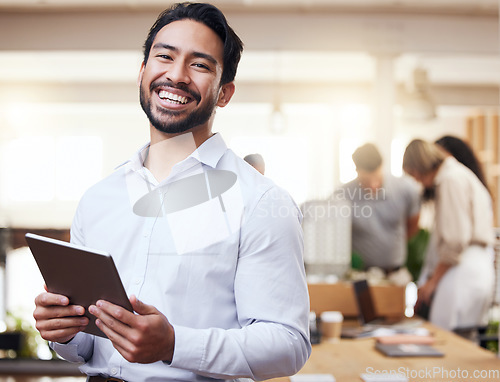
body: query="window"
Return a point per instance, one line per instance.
(44, 168)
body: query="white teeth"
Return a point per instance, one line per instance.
(163, 94)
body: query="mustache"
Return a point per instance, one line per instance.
(165, 83)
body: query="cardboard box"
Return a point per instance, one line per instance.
(389, 299)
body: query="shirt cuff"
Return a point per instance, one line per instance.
(189, 349)
(76, 350)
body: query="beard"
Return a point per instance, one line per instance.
(163, 119)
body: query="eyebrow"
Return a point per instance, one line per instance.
(205, 56)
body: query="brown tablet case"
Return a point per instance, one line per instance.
(82, 274)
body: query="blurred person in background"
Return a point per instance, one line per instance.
(458, 276)
(257, 162)
(385, 213)
(463, 153)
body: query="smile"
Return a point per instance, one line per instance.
(174, 98)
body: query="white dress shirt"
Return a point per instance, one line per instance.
(464, 213)
(226, 269)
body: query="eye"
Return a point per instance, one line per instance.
(202, 66)
(165, 57)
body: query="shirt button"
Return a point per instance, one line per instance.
(114, 371)
(145, 234)
(137, 281)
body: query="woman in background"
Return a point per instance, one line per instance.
(458, 276)
(464, 154)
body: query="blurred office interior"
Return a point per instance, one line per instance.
(317, 79)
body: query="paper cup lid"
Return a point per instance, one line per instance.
(332, 316)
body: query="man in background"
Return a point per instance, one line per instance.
(385, 212)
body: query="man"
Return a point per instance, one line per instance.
(385, 211)
(215, 275)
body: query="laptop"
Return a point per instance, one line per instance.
(366, 306)
(368, 317)
(408, 350)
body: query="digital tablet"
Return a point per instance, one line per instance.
(82, 274)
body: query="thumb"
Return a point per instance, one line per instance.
(140, 307)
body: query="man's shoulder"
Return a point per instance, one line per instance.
(109, 184)
(354, 183)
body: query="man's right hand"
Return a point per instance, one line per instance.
(56, 320)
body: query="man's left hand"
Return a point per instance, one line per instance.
(145, 337)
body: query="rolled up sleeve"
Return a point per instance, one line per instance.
(78, 350)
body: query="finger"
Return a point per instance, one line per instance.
(61, 329)
(118, 340)
(62, 323)
(142, 308)
(49, 299)
(116, 333)
(115, 311)
(62, 335)
(109, 322)
(52, 312)
(123, 351)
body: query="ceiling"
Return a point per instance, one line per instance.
(434, 6)
(287, 41)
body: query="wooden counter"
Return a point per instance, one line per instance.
(348, 359)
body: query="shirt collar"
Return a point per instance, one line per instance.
(209, 153)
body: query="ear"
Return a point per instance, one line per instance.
(225, 94)
(141, 72)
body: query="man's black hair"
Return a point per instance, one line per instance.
(213, 18)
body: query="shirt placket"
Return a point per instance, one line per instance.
(143, 241)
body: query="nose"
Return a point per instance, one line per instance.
(178, 72)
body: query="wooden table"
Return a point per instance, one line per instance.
(346, 360)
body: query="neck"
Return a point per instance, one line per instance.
(165, 153)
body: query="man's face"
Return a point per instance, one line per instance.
(179, 85)
(371, 180)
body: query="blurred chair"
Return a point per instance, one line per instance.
(327, 238)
